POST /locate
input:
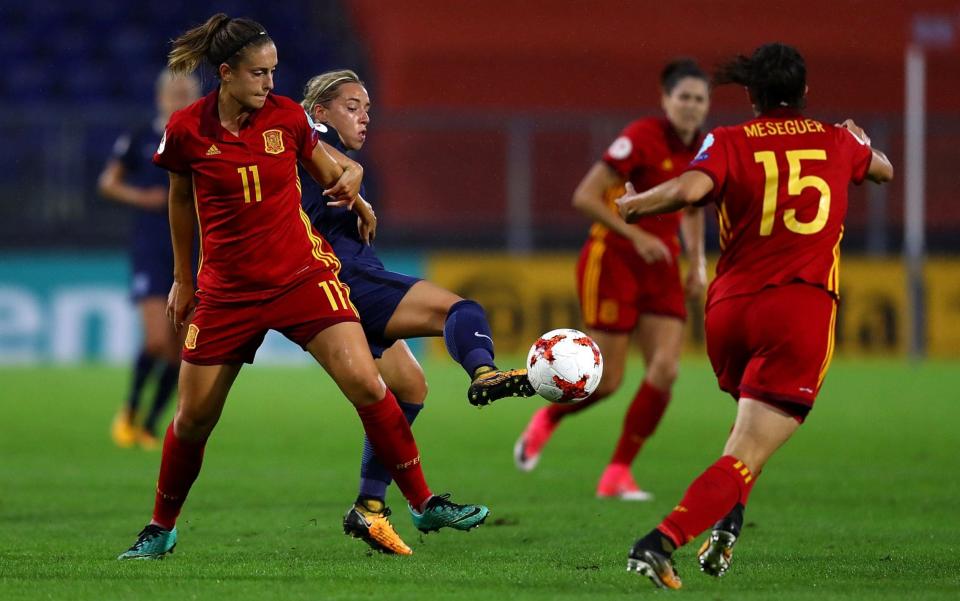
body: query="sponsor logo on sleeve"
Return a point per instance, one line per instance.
(702, 154)
(163, 143)
(621, 148)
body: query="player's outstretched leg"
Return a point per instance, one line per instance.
(153, 542)
(440, 512)
(369, 520)
(716, 553)
(467, 335)
(490, 384)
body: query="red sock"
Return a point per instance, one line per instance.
(745, 495)
(641, 420)
(389, 433)
(710, 497)
(179, 468)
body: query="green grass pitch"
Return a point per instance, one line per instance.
(862, 504)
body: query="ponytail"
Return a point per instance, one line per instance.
(775, 74)
(219, 40)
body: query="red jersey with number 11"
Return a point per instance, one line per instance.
(780, 186)
(255, 240)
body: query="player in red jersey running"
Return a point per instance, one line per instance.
(232, 158)
(780, 185)
(629, 278)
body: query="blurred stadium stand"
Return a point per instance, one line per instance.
(82, 73)
(486, 115)
(485, 121)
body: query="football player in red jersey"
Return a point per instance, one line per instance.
(779, 183)
(232, 158)
(628, 275)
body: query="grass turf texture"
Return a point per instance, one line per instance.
(862, 504)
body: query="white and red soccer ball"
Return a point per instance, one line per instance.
(564, 366)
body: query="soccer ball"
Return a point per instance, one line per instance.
(564, 366)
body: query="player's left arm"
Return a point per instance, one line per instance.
(336, 170)
(672, 195)
(881, 169)
(329, 166)
(692, 230)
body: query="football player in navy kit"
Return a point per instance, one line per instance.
(392, 306)
(131, 178)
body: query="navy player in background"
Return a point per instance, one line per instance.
(131, 178)
(392, 306)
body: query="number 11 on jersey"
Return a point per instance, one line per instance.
(255, 176)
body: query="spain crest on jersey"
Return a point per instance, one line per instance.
(273, 141)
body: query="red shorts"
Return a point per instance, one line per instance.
(229, 333)
(616, 287)
(773, 346)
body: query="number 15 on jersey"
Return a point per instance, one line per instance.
(796, 184)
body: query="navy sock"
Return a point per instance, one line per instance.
(165, 386)
(467, 335)
(374, 478)
(142, 368)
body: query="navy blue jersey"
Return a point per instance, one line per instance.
(338, 225)
(150, 235)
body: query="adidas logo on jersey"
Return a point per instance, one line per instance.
(213, 150)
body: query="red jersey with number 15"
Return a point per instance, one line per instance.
(780, 186)
(255, 240)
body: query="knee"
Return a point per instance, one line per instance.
(365, 389)
(662, 372)
(412, 389)
(193, 426)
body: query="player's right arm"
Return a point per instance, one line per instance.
(590, 199)
(680, 192)
(181, 299)
(112, 181)
(111, 184)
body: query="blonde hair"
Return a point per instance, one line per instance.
(219, 40)
(323, 88)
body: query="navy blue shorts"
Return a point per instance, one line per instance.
(152, 276)
(376, 293)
